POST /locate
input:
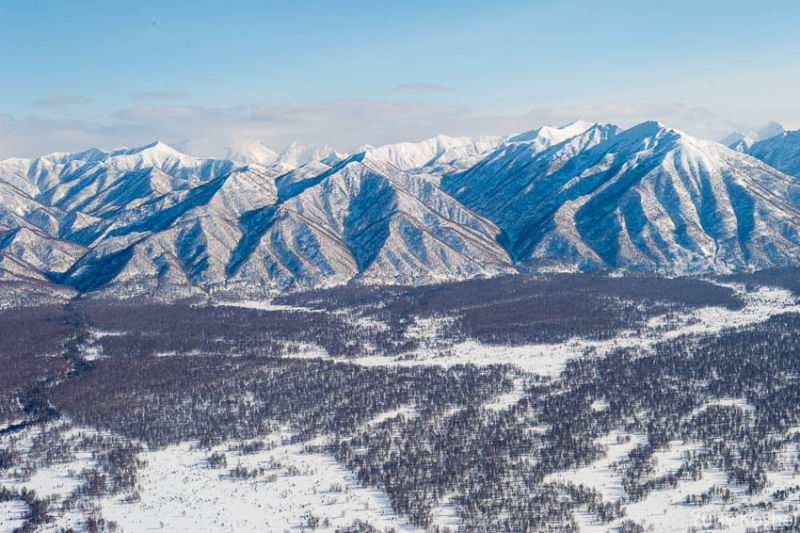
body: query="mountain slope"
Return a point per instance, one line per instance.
(21, 284)
(296, 155)
(438, 155)
(507, 175)
(647, 198)
(153, 222)
(191, 238)
(781, 152)
(547, 136)
(252, 231)
(40, 250)
(365, 219)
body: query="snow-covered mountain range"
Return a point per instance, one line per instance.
(743, 141)
(155, 222)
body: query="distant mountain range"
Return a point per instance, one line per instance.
(154, 222)
(743, 141)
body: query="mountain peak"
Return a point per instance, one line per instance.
(579, 124)
(440, 154)
(92, 154)
(251, 152)
(297, 155)
(651, 129)
(551, 135)
(156, 148)
(363, 148)
(770, 130)
(652, 125)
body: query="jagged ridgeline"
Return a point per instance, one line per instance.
(154, 222)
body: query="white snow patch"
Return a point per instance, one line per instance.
(183, 494)
(601, 475)
(741, 403)
(543, 359)
(12, 515)
(666, 511)
(306, 350)
(670, 460)
(504, 401)
(446, 513)
(264, 305)
(407, 411)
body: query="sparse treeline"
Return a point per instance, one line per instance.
(115, 472)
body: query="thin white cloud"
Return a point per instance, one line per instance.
(422, 87)
(61, 100)
(344, 123)
(161, 95)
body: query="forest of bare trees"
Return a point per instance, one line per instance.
(230, 377)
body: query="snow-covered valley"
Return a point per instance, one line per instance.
(284, 480)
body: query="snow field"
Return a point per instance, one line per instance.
(180, 492)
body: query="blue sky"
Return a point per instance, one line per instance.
(111, 73)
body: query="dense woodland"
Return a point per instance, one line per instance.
(787, 278)
(526, 309)
(213, 375)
